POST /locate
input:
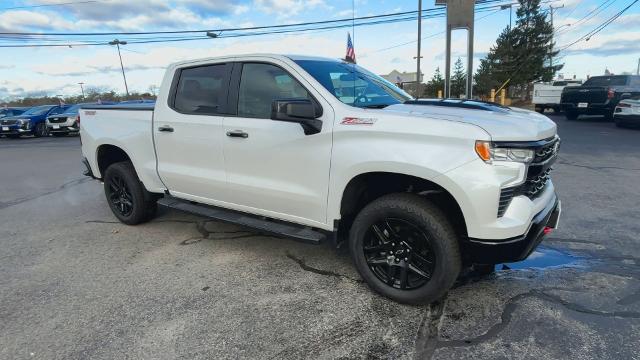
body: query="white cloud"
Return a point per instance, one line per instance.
(286, 8)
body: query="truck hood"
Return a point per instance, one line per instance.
(502, 124)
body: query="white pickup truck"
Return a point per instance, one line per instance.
(319, 149)
(547, 95)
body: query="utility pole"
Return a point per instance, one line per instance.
(551, 9)
(81, 88)
(510, 7)
(638, 72)
(419, 43)
(117, 43)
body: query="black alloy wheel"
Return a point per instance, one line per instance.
(405, 248)
(120, 196)
(399, 253)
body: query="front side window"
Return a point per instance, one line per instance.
(201, 90)
(260, 84)
(354, 85)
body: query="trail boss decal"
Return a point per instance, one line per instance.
(358, 121)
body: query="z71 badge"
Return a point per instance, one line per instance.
(358, 121)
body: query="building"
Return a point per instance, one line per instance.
(398, 77)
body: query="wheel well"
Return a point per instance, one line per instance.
(110, 154)
(367, 187)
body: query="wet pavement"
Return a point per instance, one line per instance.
(77, 284)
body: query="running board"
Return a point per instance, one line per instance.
(297, 232)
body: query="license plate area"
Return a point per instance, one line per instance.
(5, 128)
(583, 105)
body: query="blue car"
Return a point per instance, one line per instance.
(11, 111)
(30, 122)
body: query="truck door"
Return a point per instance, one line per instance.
(273, 168)
(188, 132)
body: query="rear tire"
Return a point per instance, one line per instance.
(571, 115)
(129, 201)
(404, 247)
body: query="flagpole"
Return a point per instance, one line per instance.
(419, 43)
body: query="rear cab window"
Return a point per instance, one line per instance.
(619, 80)
(202, 90)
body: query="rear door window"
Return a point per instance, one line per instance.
(202, 90)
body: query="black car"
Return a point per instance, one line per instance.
(599, 95)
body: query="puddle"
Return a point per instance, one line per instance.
(542, 257)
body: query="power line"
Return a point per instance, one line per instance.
(599, 28)
(369, 20)
(593, 13)
(51, 5)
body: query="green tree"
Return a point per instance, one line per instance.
(521, 55)
(458, 79)
(436, 83)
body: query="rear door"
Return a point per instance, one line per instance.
(273, 168)
(188, 132)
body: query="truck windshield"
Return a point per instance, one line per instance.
(606, 81)
(353, 85)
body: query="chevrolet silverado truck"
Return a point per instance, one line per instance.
(599, 95)
(417, 189)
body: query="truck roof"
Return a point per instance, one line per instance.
(244, 56)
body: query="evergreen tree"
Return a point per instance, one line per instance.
(436, 83)
(521, 55)
(458, 79)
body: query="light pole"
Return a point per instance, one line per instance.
(81, 88)
(510, 7)
(117, 43)
(638, 71)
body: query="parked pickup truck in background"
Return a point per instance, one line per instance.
(30, 122)
(547, 95)
(416, 188)
(599, 95)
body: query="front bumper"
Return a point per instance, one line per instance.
(483, 251)
(14, 130)
(591, 109)
(67, 129)
(627, 118)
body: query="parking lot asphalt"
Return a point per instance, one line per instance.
(77, 284)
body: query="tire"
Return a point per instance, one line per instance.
(13, 136)
(571, 115)
(419, 225)
(128, 199)
(40, 130)
(619, 123)
(556, 109)
(540, 110)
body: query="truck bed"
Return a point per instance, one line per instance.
(130, 127)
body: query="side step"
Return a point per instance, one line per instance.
(298, 232)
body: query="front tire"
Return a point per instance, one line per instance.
(40, 130)
(404, 247)
(128, 199)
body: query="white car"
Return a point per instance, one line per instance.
(416, 188)
(627, 112)
(547, 95)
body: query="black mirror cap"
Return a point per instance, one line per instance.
(302, 111)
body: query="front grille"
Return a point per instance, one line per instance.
(9, 122)
(57, 120)
(538, 175)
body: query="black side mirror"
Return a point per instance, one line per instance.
(301, 111)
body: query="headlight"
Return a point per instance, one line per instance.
(489, 153)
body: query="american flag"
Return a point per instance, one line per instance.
(351, 53)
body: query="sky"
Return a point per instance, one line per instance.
(380, 48)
